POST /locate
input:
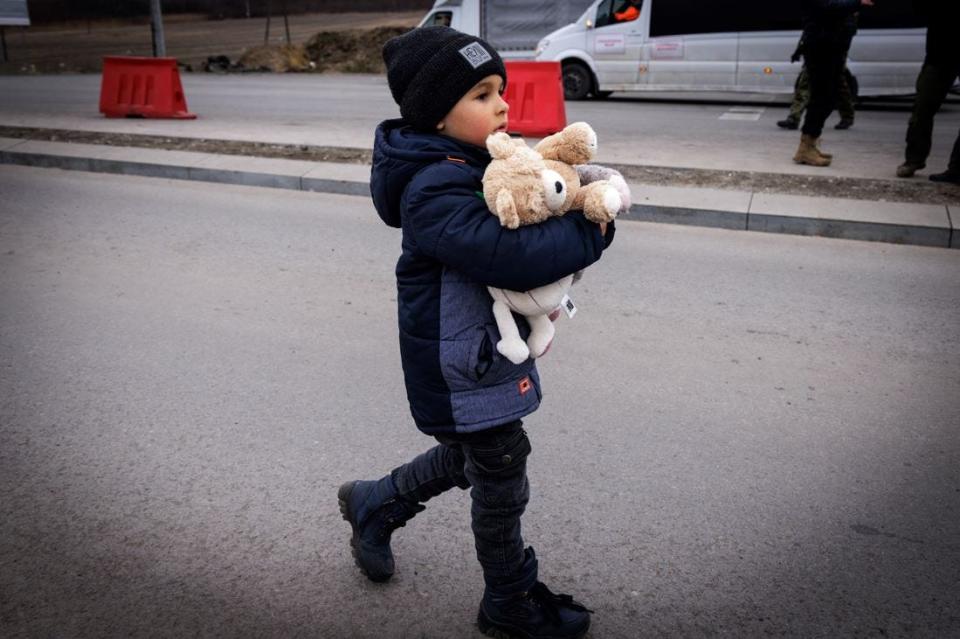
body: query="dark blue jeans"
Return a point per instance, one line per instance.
(492, 463)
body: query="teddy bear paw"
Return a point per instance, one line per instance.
(612, 202)
(515, 350)
(626, 199)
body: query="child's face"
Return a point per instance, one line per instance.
(479, 113)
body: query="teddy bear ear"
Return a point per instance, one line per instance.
(581, 129)
(584, 136)
(507, 210)
(500, 146)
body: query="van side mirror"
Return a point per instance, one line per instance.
(589, 23)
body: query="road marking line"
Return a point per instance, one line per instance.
(743, 113)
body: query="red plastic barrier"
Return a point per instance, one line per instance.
(535, 95)
(142, 87)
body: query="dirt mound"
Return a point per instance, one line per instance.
(276, 58)
(352, 50)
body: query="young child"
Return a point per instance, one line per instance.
(426, 179)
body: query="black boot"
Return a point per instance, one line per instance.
(908, 168)
(374, 510)
(950, 175)
(526, 609)
(843, 124)
(789, 123)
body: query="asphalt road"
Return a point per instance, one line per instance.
(742, 435)
(734, 132)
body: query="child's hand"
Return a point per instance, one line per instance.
(603, 228)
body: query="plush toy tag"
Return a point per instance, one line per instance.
(568, 306)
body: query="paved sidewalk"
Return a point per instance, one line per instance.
(934, 225)
(692, 130)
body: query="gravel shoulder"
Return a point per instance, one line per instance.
(913, 191)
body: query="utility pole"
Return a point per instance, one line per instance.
(286, 24)
(156, 29)
(266, 34)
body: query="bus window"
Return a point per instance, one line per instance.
(679, 17)
(440, 19)
(618, 11)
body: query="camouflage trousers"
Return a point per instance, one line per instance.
(801, 96)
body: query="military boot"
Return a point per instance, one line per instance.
(789, 122)
(374, 510)
(526, 609)
(951, 176)
(816, 145)
(907, 169)
(808, 153)
(844, 124)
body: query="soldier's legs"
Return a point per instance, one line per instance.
(801, 95)
(824, 67)
(952, 174)
(954, 165)
(846, 99)
(932, 86)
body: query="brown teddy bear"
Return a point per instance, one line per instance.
(526, 186)
(567, 153)
(517, 185)
(521, 187)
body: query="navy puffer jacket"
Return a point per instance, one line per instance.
(452, 248)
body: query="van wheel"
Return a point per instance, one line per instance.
(577, 81)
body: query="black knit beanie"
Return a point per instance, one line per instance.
(430, 68)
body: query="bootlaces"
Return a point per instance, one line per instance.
(551, 603)
(397, 516)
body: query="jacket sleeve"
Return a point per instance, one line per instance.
(450, 222)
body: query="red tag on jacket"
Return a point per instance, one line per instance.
(524, 385)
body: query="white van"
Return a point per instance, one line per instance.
(693, 45)
(512, 27)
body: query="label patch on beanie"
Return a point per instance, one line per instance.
(475, 54)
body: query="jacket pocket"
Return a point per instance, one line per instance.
(485, 354)
(464, 361)
(474, 362)
(496, 368)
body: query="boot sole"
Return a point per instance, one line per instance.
(343, 497)
(939, 180)
(825, 162)
(501, 631)
(910, 171)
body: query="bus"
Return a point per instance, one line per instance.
(723, 45)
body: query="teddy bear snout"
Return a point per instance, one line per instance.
(555, 190)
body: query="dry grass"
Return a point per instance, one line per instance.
(276, 58)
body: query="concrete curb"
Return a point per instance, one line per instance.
(898, 223)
